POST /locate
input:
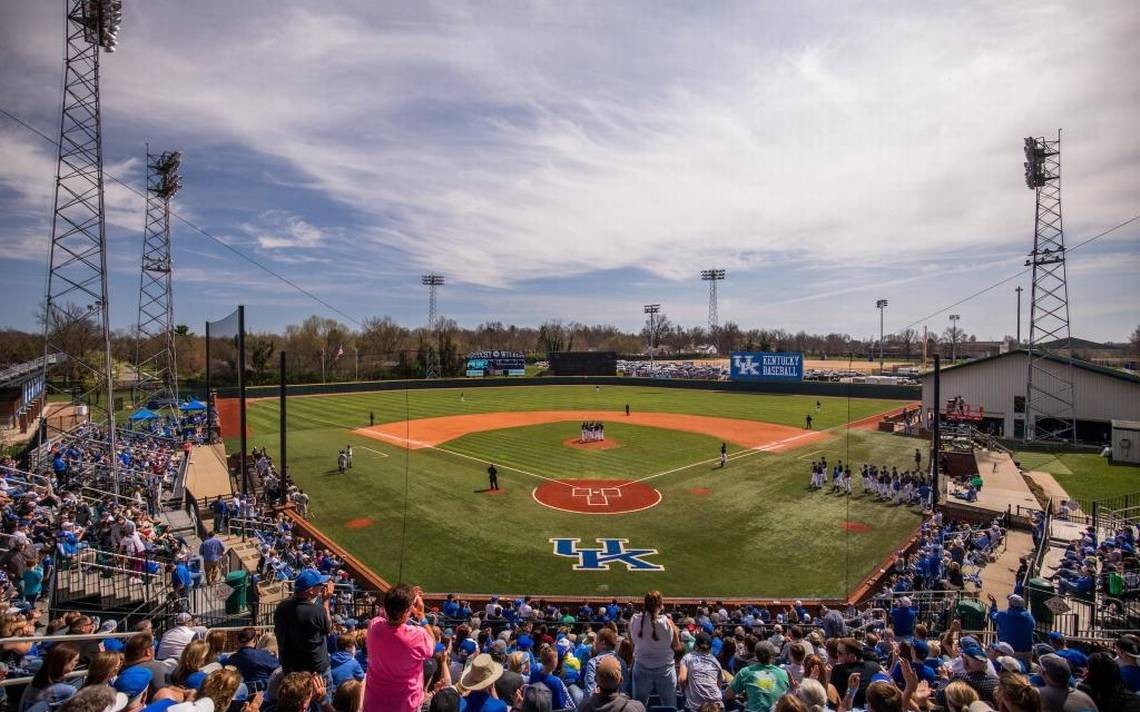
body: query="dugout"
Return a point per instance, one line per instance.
(583, 363)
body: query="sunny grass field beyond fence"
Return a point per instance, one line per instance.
(752, 529)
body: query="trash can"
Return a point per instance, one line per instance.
(239, 582)
(972, 613)
(1041, 590)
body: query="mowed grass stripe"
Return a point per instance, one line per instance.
(351, 410)
(757, 532)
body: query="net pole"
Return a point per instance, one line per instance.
(936, 431)
(241, 399)
(282, 435)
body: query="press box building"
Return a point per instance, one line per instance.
(996, 384)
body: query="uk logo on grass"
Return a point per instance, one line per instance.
(611, 551)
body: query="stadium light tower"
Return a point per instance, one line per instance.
(712, 276)
(76, 316)
(652, 310)
(954, 337)
(156, 376)
(1049, 399)
(432, 282)
(881, 305)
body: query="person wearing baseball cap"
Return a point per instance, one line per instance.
(1128, 657)
(700, 674)
(1058, 693)
(762, 682)
(976, 672)
(1015, 624)
(302, 624)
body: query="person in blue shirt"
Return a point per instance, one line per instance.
(450, 607)
(903, 615)
(1015, 624)
(255, 664)
(1128, 656)
(344, 665)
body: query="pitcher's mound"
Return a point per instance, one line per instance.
(607, 444)
(596, 496)
(856, 527)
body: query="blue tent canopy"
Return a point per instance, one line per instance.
(193, 405)
(143, 414)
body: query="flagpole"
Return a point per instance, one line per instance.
(356, 353)
(322, 365)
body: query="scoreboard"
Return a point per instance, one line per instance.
(496, 363)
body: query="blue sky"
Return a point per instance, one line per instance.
(578, 160)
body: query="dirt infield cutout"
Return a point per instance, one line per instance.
(431, 432)
(596, 496)
(607, 444)
(700, 491)
(856, 527)
(359, 523)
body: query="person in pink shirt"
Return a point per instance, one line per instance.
(397, 648)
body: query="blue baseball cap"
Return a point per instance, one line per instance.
(133, 681)
(974, 651)
(524, 642)
(309, 578)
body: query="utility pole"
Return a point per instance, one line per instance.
(882, 306)
(954, 337)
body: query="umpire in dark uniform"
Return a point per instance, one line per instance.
(492, 477)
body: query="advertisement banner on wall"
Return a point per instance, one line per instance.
(763, 366)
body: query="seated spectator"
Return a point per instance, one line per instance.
(96, 698)
(102, 669)
(762, 683)
(178, 637)
(349, 696)
(224, 687)
(476, 685)
(139, 653)
(49, 688)
(297, 692)
(700, 675)
(254, 663)
(608, 697)
(344, 665)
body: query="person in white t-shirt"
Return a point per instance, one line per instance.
(701, 675)
(654, 637)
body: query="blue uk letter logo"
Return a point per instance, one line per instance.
(611, 551)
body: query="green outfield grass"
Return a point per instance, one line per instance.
(1085, 476)
(756, 531)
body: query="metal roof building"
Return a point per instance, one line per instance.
(996, 385)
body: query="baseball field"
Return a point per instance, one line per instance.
(648, 507)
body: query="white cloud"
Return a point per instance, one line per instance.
(280, 230)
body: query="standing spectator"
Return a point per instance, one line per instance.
(1015, 624)
(654, 637)
(397, 648)
(700, 674)
(302, 624)
(212, 551)
(903, 615)
(849, 659)
(608, 696)
(762, 682)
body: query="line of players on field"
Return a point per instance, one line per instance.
(885, 484)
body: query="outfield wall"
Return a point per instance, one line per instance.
(809, 388)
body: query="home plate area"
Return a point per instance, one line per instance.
(596, 496)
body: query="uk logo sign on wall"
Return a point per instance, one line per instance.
(610, 551)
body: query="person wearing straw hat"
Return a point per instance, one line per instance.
(477, 685)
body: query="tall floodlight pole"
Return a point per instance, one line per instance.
(1049, 400)
(1018, 290)
(76, 317)
(954, 337)
(712, 276)
(652, 310)
(156, 376)
(881, 305)
(432, 282)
